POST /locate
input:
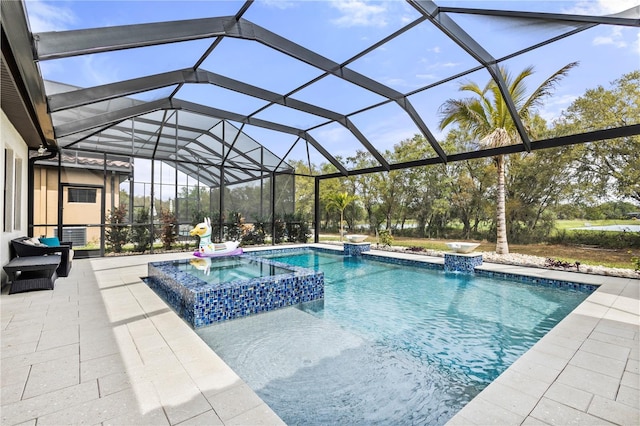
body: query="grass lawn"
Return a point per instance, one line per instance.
(584, 255)
(581, 223)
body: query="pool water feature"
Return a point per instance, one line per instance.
(389, 344)
(208, 290)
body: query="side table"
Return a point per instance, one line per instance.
(32, 272)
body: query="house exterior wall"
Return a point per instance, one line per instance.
(10, 140)
(76, 214)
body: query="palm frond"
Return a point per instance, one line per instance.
(449, 111)
(546, 88)
(478, 119)
(517, 87)
(472, 87)
(487, 111)
(468, 113)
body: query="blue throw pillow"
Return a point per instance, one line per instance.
(51, 241)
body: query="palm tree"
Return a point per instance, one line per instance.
(486, 116)
(340, 201)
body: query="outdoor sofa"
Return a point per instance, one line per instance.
(27, 247)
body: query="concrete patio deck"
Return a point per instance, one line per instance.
(102, 348)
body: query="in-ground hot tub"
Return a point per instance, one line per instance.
(204, 291)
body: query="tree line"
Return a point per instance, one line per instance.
(460, 199)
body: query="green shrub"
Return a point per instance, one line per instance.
(601, 239)
(278, 230)
(117, 232)
(234, 227)
(296, 228)
(636, 262)
(385, 238)
(169, 231)
(140, 233)
(255, 235)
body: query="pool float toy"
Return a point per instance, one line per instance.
(202, 264)
(210, 249)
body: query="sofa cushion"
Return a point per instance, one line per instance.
(50, 241)
(35, 241)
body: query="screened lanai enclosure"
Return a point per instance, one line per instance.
(175, 110)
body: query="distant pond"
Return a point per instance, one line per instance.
(617, 228)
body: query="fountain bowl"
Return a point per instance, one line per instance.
(459, 247)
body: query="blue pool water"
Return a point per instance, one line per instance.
(217, 270)
(389, 344)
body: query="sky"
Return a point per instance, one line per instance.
(338, 30)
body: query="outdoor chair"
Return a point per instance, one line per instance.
(26, 247)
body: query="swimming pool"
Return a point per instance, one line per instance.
(389, 344)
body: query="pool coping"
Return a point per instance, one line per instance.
(137, 362)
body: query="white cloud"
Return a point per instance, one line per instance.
(553, 106)
(427, 76)
(601, 7)
(280, 4)
(395, 82)
(97, 72)
(615, 38)
(45, 17)
(438, 65)
(406, 19)
(334, 135)
(359, 13)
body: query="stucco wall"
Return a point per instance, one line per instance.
(75, 214)
(11, 139)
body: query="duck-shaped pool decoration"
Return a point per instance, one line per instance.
(209, 249)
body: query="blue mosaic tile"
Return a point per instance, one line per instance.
(461, 263)
(201, 303)
(404, 262)
(547, 282)
(351, 249)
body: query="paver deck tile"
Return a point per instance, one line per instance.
(569, 396)
(554, 413)
(614, 412)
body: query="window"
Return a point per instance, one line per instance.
(8, 189)
(17, 195)
(12, 191)
(82, 195)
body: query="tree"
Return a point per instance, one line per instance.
(365, 187)
(422, 190)
(537, 182)
(486, 117)
(611, 164)
(341, 201)
(305, 186)
(469, 184)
